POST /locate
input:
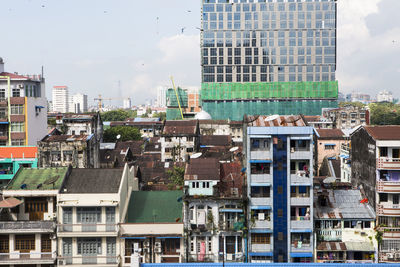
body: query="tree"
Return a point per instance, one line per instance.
(115, 115)
(354, 104)
(127, 133)
(176, 177)
(161, 115)
(385, 114)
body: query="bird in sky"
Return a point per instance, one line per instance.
(189, 11)
(183, 29)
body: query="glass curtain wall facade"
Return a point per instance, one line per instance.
(268, 41)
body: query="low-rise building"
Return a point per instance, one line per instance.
(347, 117)
(179, 140)
(79, 151)
(27, 226)
(12, 158)
(153, 225)
(319, 122)
(90, 206)
(148, 127)
(344, 226)
(81, 124)
(222, 127)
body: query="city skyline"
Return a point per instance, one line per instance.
(97, 63)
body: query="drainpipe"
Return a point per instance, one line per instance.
(245, 247)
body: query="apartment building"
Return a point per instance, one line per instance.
(81, 124)
(90, 207)
(179, 140)
(214, 211)
(279, 158)
(222, 127)
(344, 226)
(375, 159)
(23, 108)
(61, 99)
(347, 117)
(27, 226)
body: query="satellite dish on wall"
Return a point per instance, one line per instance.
(195, 156)
(233, 149)
(272, 118)
(118, 137)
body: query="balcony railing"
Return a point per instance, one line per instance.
(261, 247)
(388, 209)
(388, 163)
(389, 186)
(260, 154)
(28, 256)
(330, 235)
(202, 258)
(87, 228)
(27, 226)
(261, 201)
(88, 259)
(301, 246)
(300, 201)
(261, 178)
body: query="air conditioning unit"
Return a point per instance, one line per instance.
(146, 243)
(157, 250)
(146, 250)
(53, 236)
(397, 255)
(157, 244)
(235, 192)
(229, 257)
(62, 262)
(389, 255)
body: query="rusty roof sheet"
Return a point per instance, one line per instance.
(231, 177)
(275, 121)
(188, 127)
(387, 132)
(66, 138)
(312, 118)
(88, 116)
(203, 169)
(215, 140)
(331, 246)
(330, 133)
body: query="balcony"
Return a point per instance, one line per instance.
(261, 201)
(329, 235)
(261, 178)
(92, 260)
(345, 149)
(299, 246)
(66, 230)
(202, 258)
(388, 209)
(300, 153)
(27, 258)
(388, 186)
(261, 247)
(300, 223)
(391, 233)
(266, 224)
(260, 154)
(303, 201)
(299, 177)
(27, 227)
(388, 163)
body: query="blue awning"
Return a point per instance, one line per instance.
(301, 254)
(261, 184)
(3, 122)
(262, 254)
(261, 231)
(39, 107)
(329, 144)
(231, 210)
(133, 237)
(300, 230)
(300, 138)
(260, 207)
(168, 237)
(260, 161)
(345, 156)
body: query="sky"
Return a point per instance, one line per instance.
(128, 48)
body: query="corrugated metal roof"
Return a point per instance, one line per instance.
(180, 127)
(387, 132)
(360, 246)
(330, 133)
(275, 121)
(203, 169)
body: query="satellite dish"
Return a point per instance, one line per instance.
(329, 180)
(118, 137)
(233, 149)
(195, 156)
(272, 118)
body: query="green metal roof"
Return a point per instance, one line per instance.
(32, 178)
(155, 207)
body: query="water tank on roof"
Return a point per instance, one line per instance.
(203, 115)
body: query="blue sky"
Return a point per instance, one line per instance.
(91, 45)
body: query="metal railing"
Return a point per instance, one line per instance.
(88, 259)
(32, 256)
(87, 227)
(27, 225)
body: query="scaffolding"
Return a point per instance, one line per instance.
(274, 90)
(172, 100)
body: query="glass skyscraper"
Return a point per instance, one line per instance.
(268, 56)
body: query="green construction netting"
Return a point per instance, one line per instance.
(173, 114)
(171, 98)
(228, 91)
(235, 110)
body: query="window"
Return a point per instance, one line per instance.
(17, 109)
(170, 246)
(24, 243)
(17, 127)
(261, 238)
(280, 213)
(260, 191)
(68, 155)
(4, 244)
(16, 92)
(189, 149)
(329, 146)
(383, 151)
(55, 155)
(46, 243)
(89, 215)
(2, 94)
(260, 168)
(17, 142)
(89, 246)
(35, 205)
(383, 197)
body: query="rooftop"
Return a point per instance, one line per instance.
(203, 169)
(155, 207)
(387, 132)
(7, 152)
(188, 127)
(79, 117)
(215, 140)
(38, 179)
(342, 204)
(275, 121)
(13, 75)
(67, 138)
(330, 133)
(92, 181)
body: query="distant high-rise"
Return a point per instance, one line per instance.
(127, 103)
(80, 103)
(161, 96)
(60, 99)
(268, 57)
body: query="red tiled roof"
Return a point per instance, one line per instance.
(18, 152)
(330, 133)
(180, 127)
(13, 75)
(203, 169)
(387, 132)
(275, 121)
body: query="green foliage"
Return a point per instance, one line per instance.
(51, 122)
(161, 115)
(385, 114)
(378, 237)
(354, 104)
(118, 115)
(176, 175)
(127, 133)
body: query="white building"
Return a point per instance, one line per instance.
(384, 96)
(79, 103)
(127, 104)
(161, 96)
(60, 99)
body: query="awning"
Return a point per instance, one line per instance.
(133, 237)
(262, 254)
(260, 184)
(231, 210)
(260, 161)
(359, 246)
(329, 144)
(261, 231)
(168, 237)
(260, 207)
(345, 156)
(300, 138)
(300, 230)
(259, 136)
(10, 203)
(39, 107)
(3, 122)
(301, 254)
